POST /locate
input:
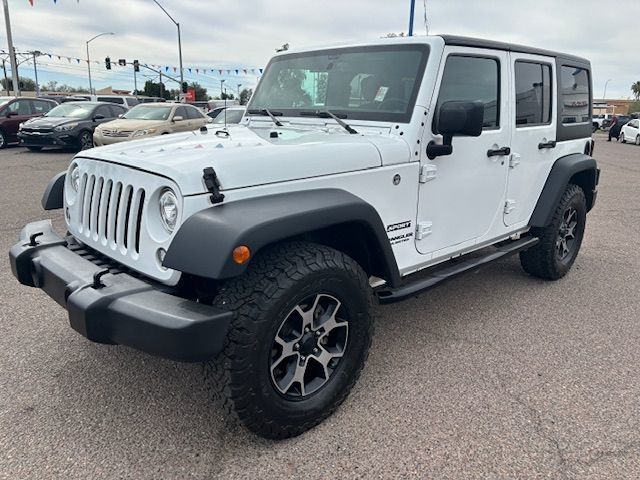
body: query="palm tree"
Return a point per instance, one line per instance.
(635, 88)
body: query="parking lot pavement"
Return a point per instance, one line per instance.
(494, 374)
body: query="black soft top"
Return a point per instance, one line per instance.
(510, 47)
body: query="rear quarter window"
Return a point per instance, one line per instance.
(574, 95)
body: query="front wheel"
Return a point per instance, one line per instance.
(637, 139)
(621, 137)
(560, 241)
(299, 339)
(3, 139)
(85, 140)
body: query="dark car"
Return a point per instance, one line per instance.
(622, 119)
(70, 124)
(614, 131)
(14, 111)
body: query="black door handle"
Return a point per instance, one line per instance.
(550, 144)
(498, 151)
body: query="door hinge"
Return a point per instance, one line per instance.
(514, 160)
(427, 172)
(509, 206)
(423, 229)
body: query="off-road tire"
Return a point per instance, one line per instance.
(542, 260)
(274, 283)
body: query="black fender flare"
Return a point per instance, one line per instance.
(580, 167)
(204, 243)
(52, 198)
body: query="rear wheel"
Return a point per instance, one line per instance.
(3, 139)
(560, 241)
(621, 137)
(637, 139)
(299, 339)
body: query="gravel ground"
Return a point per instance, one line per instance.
(493, 375)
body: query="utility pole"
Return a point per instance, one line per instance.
(413, 7)
(12, 51)
(6, 80)
(239, 85)
(222, 88)
(35, 54)
(161, 93)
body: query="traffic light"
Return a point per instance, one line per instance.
(184, 87)
(122, 62)
(107, 63)
(136, 66)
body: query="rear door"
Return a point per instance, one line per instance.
(534, 133)
(18, 111)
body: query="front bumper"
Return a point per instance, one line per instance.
(100, 140)
(117, 308)
(48, 139)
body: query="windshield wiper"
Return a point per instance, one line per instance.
(328, 114)
(266, 111)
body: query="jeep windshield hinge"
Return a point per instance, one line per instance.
(427, 172)
(213, 184)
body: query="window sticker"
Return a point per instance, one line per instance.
(382, 92)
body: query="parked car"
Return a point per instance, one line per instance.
(630, 132)
(263, 249)
(622, 119)
(127, 101)
(69, 124)
(16, 110)
(599, 119)
(228, 115)
(63, 98)
(149, 120)
(151, 99)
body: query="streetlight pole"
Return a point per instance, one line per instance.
(239, 85)
(89, 59)
(222, 88)
(604, 94)
(179, 41)
(12, 51)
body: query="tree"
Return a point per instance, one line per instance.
(153, 89)
(226, 96)
(24, 83)
(635, 88)
(53, 86)
(245, 95)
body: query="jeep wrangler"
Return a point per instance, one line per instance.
(369, 172)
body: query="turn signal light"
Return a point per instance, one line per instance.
(241, 254)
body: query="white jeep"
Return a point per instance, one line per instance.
(363, 173)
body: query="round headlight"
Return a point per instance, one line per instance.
(75, 178)
(168, 209)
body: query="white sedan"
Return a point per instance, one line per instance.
(631, 132)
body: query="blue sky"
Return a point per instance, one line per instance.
(244, 34)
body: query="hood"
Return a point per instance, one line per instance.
(132, 124)
(50, 122)
(249, 156)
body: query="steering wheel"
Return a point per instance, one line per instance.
(393, 104)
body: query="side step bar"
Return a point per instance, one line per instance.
(422, 284)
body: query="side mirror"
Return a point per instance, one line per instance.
(98, 117)
(209, 120)
(177, 118)
(11, 114)
(463, 119)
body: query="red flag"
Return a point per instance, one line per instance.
(31, 2)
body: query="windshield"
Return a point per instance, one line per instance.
(366, 83)
(71, 110)
(233, 116)
(147, 112)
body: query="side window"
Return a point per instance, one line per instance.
(103, 110)
(132, 101)
(181, 112)
(21, 107)
(116, 110)
(39, 107)
(574, 87)
(533, 93)
(473, 79)
(193, 113)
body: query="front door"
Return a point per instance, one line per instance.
(534, 133)
(462, 195)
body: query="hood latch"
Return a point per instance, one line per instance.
(213, 184)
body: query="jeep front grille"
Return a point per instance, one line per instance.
(116, 133)
(110, 212)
